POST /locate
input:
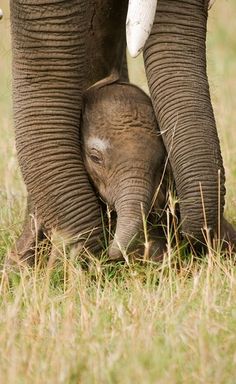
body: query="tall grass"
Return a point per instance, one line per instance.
(121, 324)
(169, 323)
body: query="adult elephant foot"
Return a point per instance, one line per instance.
(26, 246)
(35, 245)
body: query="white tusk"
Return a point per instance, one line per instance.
(1, 14)
(140, 18)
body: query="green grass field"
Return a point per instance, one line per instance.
(170, 323)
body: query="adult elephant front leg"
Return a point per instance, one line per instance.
(175, 61)
(50, 72)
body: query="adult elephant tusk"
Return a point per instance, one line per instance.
(140, 18)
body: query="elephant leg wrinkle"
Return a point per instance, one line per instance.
(60, 48)
(175, 62)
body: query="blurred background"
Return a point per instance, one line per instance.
(221, 45)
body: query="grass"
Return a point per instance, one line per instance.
(119, 325)
(168, 323)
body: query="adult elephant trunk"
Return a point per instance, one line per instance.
(175, 61)
(60, 48)
(132, 205)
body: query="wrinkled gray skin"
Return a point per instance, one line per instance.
(60, 49)
(124, 155)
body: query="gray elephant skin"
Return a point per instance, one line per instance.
(61, 48)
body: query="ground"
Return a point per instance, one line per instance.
(169, 323)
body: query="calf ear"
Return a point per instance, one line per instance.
(111, 79)
(89, 95)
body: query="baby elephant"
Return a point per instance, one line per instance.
(124, 155)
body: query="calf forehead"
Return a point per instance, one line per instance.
(119, 106)
(119, 116)
(109, 119)
(99, 143)
(129, 131)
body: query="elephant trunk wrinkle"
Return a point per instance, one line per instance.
(132, 206)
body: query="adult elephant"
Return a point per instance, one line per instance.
(60, 48)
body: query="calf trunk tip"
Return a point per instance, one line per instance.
(115, 252)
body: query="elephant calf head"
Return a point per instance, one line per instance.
(123, 154)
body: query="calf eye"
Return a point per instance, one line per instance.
(96, 157)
